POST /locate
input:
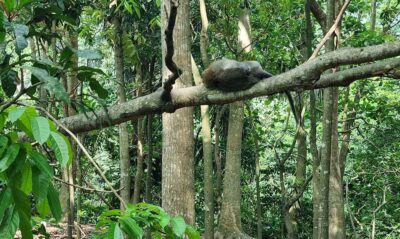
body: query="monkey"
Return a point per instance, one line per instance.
(231, 75)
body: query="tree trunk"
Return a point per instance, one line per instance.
(178, 145)
(208, 162)
(140, 142)
(229, 222)
(125, 164)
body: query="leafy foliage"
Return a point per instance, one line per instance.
(136, 219)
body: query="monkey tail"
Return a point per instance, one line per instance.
(291, 103)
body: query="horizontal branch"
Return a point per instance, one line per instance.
(304, 77)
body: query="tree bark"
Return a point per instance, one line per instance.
(124, 157)
(178, 145)
(230, 222)
(208, 162)
(300, 78)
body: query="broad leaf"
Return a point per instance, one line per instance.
(24, 121)
(61, 147)
(9, 227)
(23, 207)
(9, 157)
(41, 163)
(40, 183)
(96, 87)
(192, 233)
(3, 144)
(5, 199)
(130, 227)
(54, 202)
(26, 179)
(178, 225)
(2, 121)
(15, 114)
(117, 232)
(40, 129)
(8, 82)
(21, 31)
(43, 207)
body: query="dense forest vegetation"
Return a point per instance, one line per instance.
(107, 130)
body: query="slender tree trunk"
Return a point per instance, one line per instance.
(124, 157)
(217, 158)
(326, 147)
(140, 142)
(208, 162)
(178, 145)
(229, 222)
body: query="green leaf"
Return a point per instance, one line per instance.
(23, 207)
(21, 31)
(26, 180)
(130, 227)
(96, 87)
(50, 83)
(117, 232)
(40, 161)
(8, 80)
(24, 121)
(164, 219)
(16, 113)
(192, 232)
(40, 129)
(40, 184)
(3, 144)
(9, 157)
(43, 207)
(54, 202)
(9, 227)
(61, 147)
(2, 121)
(178, 225)
(5, 199)
(10, 5)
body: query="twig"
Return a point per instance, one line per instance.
(15, 98)
(73, 136)
(81, 187)
(331, 31)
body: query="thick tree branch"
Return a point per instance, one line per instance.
(305, 76)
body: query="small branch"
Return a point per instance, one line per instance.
(318, 13)
(16, 97)
(331, 30)
(299, 193)
(176, 72)
(83, 188)
(73, 136)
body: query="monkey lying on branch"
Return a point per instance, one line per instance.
(231, 75)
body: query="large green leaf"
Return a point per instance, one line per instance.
(54, 202)
(23, 207)
(50, 83)
(130, 227)
(9, 157)
(96, 87)
(40, 161)
(40, 183)
(117, 232)
(40, 129)
(192, 233)
(5, 199)
(26, 179)
(3, 144)
(15, 113)
(2, 121)
(8, 80)
(9, 227)
(21, 31)
(24, 121)
(43, 207)
(178, 225)
(61, 147)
